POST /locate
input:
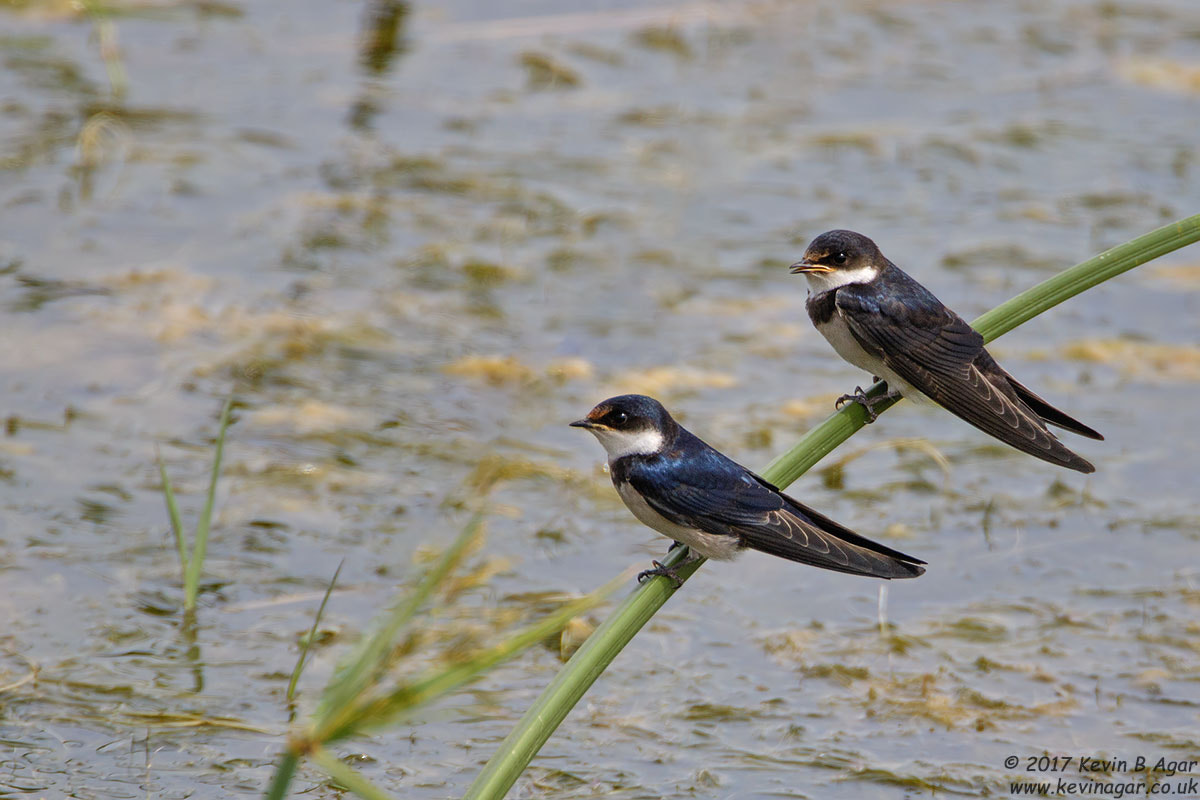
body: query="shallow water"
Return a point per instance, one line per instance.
(415, 241)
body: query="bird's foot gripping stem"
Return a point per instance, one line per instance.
(868, 403)
(665, 571)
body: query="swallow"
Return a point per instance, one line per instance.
(880, 319)
(681, 487)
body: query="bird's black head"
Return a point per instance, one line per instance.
(630, 424)
(836, 258)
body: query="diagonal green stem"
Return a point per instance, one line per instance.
(556, 701)
(337, 710)
(1093, 272)
(312, 635)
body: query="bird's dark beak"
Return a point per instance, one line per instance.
(583, 423)
(808, 266)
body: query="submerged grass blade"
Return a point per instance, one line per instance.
(556, 701)
(191, 583)
(173, 515)
(312, 634)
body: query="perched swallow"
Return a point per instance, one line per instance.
(687, 491)
(880, 319)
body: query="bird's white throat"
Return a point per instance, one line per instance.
(821, 282)
(619, 444)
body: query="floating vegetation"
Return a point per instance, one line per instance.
(572, 368)
(999, 256)
(1160, 73)
(1167, 362)
(308, 417)
(1183, 276)
(593, 52)
(486, 274)
(496, 370)
(833, 474)
(500, 370)
(655, 117)
(866, 141)
(664, 39)
(665, 380)
(543, 71)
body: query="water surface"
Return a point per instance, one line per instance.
(419, 240)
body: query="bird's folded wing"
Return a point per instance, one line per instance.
(741, 504)
(941, 355)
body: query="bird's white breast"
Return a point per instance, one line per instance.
(837, 332)
(710, 545)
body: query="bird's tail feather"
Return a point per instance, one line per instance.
(821, 542)
(1049, 413)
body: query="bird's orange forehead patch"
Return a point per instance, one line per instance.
(597, 413)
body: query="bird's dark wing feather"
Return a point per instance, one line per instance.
(936, 351)
(718, 496)
(1049, 413)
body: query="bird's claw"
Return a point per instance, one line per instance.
(868, 403)
(860, 397)
(659, 569)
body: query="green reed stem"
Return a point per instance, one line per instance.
(284, 772)
(190, 566)
(173, 514)
(312, 634)
(191, 576)
(574, 679)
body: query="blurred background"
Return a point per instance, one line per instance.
(419, 239)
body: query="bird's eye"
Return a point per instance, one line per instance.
(620, 418)
(839, 258)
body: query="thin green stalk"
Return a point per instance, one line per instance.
(284, 772)
(191, 581)
(372, 704)
(312, 634)
(173, 513)
(401, 702)
(337, 709)
(1093, 272)
(589, 661)
(556, 701)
